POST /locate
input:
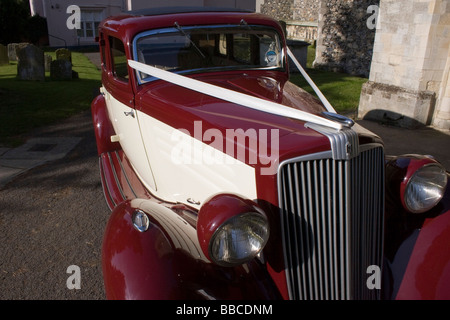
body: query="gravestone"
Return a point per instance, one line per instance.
(4, 60)
(30, 65)
(12, 51)
(47, 61)
(63, 54)
(60, 70)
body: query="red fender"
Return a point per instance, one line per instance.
(102, 126)
(165, 262)
(137, 265)
(427, 276)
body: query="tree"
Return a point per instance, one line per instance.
(13, 20)
(17, 25)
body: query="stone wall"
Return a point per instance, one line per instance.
(345, 42)
(300, 16)
(279, 9)
(306, 10)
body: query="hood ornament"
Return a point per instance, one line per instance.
(345, 121)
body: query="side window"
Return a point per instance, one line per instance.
(118, 59)
(102, 50)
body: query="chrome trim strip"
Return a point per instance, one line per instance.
(344, 143)
(124, 173)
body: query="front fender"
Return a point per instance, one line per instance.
(166, 261)
(417, 246)
(136, 265)
(427, 275)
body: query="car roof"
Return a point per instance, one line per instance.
(181, 9)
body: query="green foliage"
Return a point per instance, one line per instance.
(17, 25)
(13, 20)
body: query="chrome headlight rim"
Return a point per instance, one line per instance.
(239, 259)
(416, 205)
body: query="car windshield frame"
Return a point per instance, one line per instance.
(181, 32)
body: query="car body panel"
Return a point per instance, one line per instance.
(144, 130)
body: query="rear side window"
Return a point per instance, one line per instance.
(118, 59)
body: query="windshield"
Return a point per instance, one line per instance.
(188, 49)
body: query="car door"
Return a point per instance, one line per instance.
(119, 98)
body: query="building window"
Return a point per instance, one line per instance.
(90, 20)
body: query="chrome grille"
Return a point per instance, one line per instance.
(332, 220)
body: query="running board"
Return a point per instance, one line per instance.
(119, 181)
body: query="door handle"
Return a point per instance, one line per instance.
(129, 113)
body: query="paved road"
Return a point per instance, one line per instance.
(53, 217)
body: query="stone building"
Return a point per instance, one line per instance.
(409, 77)
(300, 16)
(345, 41)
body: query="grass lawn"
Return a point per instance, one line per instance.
(342, 90)
(25, 105)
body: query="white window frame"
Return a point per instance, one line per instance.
(97, 16)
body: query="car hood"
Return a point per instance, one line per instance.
(182, 108)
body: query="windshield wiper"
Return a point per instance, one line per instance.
(178, 27)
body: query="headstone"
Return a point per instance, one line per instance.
(48, 60)
(30, 65)
(12, 51)
(3, 55)
(63, 54)
(61, 70)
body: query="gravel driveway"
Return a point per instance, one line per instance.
(53, 217)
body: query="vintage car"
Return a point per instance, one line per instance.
(227, 181)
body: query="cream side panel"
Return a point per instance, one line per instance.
(186, 168)
(126, 127)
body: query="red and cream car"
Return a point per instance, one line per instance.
(227, 181)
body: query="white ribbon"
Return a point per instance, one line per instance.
(233, 96)
(322, 98)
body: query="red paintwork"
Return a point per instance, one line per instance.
(162, 100)
(428, 273)
(103, 128)
(120, 182)
(149, 265)
(125, 27)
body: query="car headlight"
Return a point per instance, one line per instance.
(231, 230)
(239, 239)
(425, 188)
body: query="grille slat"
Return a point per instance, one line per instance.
(332, 219)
